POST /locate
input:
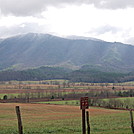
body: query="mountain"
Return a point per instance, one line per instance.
(74, 37)
(35, 50)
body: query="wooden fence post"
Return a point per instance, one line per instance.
(131, 117)
(83, 106)
(20, 127)
(88, 124)
(83, 122)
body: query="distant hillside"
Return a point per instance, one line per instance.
(35, 50)
(42, 73)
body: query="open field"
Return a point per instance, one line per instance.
(62, 119)
(57, 88)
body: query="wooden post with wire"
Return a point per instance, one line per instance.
(20, 128)
(88, 124)
(83, 106)
(132, 123)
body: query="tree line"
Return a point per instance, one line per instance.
(48, 73)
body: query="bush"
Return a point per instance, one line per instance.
(5, 97)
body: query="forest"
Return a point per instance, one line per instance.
(81, 75)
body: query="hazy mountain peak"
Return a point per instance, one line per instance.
(35, 35)
(74, 37)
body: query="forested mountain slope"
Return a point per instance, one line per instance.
(35, 50)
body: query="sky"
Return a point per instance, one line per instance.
(109, 20)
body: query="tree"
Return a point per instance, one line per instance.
(5, 97)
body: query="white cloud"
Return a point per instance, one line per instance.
(94, 18)
(113, 4)
(32, 7)
(87, 20)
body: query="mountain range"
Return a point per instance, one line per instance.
(34, 50)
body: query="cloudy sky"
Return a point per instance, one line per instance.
(109, 20)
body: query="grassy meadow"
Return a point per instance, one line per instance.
(62, 119)
(60, 88)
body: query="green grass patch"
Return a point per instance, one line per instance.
(131, 99)
(9, 96)
(63, 102)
